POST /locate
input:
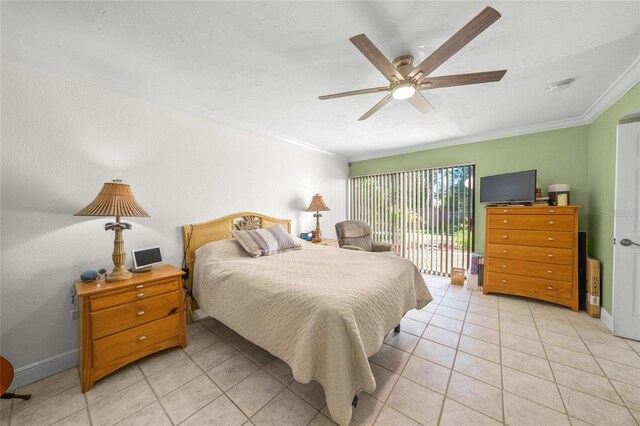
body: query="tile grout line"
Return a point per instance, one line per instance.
(624, 403)
(553, 374)
(504, 416)
(166, 413)
(501, 389)
(260, 367)
(453, 365)
(402, 370)
(205, 373)
(605, 373)
(86, 406)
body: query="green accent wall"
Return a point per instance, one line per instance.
(559, 156)
(602, 169)
(582, 156)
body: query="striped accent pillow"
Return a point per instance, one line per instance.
(264, 242)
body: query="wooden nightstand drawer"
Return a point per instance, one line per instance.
(531, 269)
(560, 256)
(113, 320)
(134, 293)
(531, 238)
(134, 340)
(528, 221)
(552, 291)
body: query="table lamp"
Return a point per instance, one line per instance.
(115, 199)
(317, 205)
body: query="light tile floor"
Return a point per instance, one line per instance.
(466, 358)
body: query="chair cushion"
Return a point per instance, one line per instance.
(364, 243)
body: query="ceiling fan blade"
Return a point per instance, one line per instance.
(460, 39)
(376, 107)
(373, 54)
(354, 92)
(461, 79)
(420, 102)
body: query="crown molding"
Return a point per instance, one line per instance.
(629, 78)
(44, 65)
(501, 134)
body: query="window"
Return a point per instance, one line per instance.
(428, 214)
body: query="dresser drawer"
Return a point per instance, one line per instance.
(531, 238)
(553, 291)
(560, 256)
(133, 294)
(134, 340)
(531, 269)
(534, 210)
(528, 221)
(109, 321)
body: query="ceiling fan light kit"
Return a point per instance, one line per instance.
(407, 81)
(403, 90)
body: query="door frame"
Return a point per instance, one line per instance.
(634, 115)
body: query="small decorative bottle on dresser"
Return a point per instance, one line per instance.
(123, 321)
(532, 251)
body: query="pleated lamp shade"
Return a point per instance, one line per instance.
(317, 204)
(114, 199)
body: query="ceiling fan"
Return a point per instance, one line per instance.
(406, 81)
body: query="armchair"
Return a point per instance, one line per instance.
(356, 235)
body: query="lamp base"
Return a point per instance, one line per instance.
(317, 238)
(119, 274)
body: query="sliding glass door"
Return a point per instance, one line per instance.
(428, 214)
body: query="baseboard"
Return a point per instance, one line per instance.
(606, 319)
(47, 367)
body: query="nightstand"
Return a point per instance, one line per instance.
(327, 242)
(123, 321)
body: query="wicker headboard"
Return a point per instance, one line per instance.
(197, 235)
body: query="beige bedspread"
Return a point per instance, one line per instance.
(322, 310)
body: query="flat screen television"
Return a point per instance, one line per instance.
(509, 188)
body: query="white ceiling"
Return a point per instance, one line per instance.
(262, 65)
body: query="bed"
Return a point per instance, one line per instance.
(322, 310)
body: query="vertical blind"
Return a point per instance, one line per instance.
(427, 214)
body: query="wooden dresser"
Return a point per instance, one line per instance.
(532, 251)
(123, 321)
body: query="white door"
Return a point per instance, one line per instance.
(626, 252)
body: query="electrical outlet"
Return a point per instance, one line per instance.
(74, 315)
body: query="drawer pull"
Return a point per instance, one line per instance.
(551, 239)
(550, 288)
(141, 338)
(504, 281)
(504, 266)
(550, 255)
(141, 313)
(552, 211)
(504, 237)
(549, 272)
(139, 286)
(505, 211)
(140, 295)
(505, 221)
(551, 222)
(505, 251)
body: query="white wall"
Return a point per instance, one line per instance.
(62, 139)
